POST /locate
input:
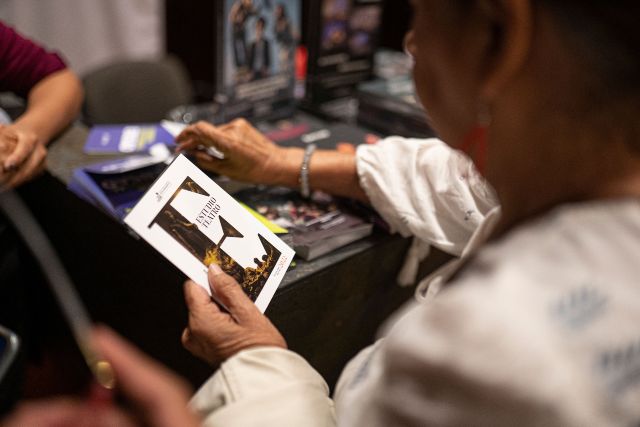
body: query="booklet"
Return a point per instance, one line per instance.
(133, 138)
(193, 222)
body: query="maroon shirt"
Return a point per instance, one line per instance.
(23, 63)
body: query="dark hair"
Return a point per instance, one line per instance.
(261, 21)
(605, 36)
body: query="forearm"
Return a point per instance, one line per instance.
(52, 104)
(265, 386)
(329, 171)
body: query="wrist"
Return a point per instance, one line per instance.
(287, 167)
(28, 130)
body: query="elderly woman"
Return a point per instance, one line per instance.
(539, 324)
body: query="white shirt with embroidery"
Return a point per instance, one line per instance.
(541, 328)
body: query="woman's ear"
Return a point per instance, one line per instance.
(511, 25)
(409, 43)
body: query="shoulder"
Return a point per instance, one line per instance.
(585, 249)
(538, 320)
(590, 239)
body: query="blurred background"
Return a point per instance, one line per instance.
(96, 33)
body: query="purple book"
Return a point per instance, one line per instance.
(136, 138)
(116, 185)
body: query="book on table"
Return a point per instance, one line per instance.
(131, 138)
(115, 186)
(315, 226)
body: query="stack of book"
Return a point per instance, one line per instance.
(116, 185)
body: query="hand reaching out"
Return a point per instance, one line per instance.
(215, 335)
(248, 154)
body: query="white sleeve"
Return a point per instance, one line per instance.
(265, 386)
(426, 189)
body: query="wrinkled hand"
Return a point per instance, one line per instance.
(215, 335)
(248, 154)
(22, 156)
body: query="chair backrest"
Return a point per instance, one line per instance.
(135, 91)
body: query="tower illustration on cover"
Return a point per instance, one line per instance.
(186, 233)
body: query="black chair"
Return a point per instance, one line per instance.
(135, 91)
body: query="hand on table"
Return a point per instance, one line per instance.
(248, 154)
(22, 156)
(215, 335)
(157, 397)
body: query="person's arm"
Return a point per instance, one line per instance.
(421, 188)
(52, 105)
(266, 386)
(251, 157)
(54, 96)
(259, 381)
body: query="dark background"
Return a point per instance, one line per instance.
(191, 28)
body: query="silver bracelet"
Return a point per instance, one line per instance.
(304, 171)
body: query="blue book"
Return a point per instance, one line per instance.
(115, 186)
(129, 139)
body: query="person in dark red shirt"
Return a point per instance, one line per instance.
(54, 97)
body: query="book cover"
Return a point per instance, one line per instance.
(128, 139)
(115, 186)
(316, 226)
(192, 222)
(257, 44)
(341, 38)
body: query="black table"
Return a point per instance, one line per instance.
(327, 309)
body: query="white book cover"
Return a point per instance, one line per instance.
(193, 222)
